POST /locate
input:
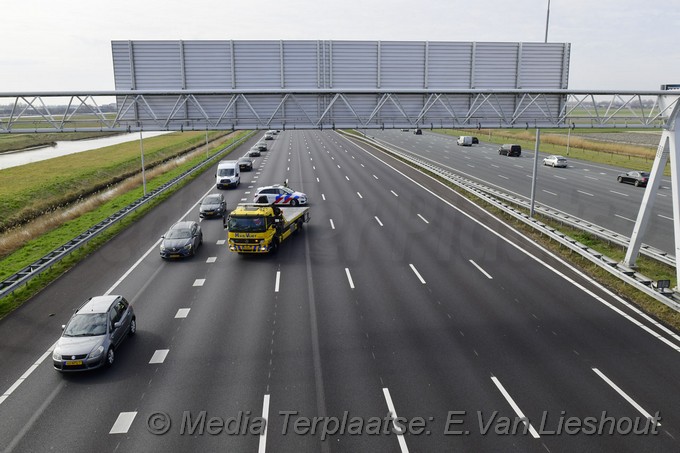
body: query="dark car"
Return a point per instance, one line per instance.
(510, 150)
(262, 146)
(418, 132)
(245, 163)
(181, 240)
(93, 333)
(639, 178)
(475, 141)
(254, 152)
(213, 205)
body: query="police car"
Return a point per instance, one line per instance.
(279, 194)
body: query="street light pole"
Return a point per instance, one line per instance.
(547, 21)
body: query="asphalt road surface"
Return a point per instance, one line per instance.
(403, 318)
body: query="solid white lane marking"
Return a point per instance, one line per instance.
(323, 197)
(559, 177)
(415, 271)
(349, 278)
(277, 282)
(360, 195)
(423, 218)
(221, 242)
(504, 177)
(394, 193)
(515, 407)
(625, 396)
(199, 282)
(551, 193)
(585, 193)
(619, 193)
(182, 313)
(393, 414)
(378, 220)
(123, 422)
(665, 217)
(159, 356)
(211, 259)
(624, 218)
(265, 416)
(481, 270)
(27, 373)
(332, 224)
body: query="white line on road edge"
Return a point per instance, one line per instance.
(278, 281)
(619, 193)
(378, 220)
(123, 422)
(27, 373)
(423, 218)
(515, 407)
(625, 396)
(481, 270)
(199, 282)
(159, 356)
(265, 415)
(349, 278)
(332, 224)
(182, 313)
(415, 271)
(624, 218)
(393, 415)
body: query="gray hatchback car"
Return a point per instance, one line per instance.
(93, 333)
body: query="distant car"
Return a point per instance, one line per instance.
(639, 178)
(245, 163)
(475, 141)
(182, 239)
(254, 152)
(510, 150)
(417, 132)
(555, 161)
(213, 205)
(405, 129)
(278, 194)
(261, 146)
(269, 135)
(93, 333)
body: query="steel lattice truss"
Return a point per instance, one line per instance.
(135, 110)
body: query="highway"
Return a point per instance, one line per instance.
(584, 189)
(399, 299)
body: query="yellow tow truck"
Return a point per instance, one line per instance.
(261, 227)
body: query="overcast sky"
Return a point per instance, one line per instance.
(65, 45)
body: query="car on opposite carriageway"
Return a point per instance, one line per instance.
(638, 178)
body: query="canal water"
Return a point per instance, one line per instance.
(63, 148)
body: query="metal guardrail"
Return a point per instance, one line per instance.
(645, 284)
(34, 269)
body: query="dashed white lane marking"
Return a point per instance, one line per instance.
(378, 220)
(247, 192)
(423, 218)
(211, 259)
(360, 195)
(665, 217)
(317, 180)
(625, 396)
(495, 166)
(332, 224)
(323, 197)
(375, 176)
(504, 177)
(394, 193)
(265, 416)
(393, 413)
(221, 242)
(479, 268)
(585, 193)
(551, 193)
(349, 278)
(123, 422)
(338, 165)
(592, 177)
(559, 177)
(515, 407)
(244, 199)
(347, 177)
(159, 356)
(619, 193)
(182, 313)
(415, 271)
(624, 218)
(277, 282)
(199, 282)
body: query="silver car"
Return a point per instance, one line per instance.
(555, 161)
(93, 333)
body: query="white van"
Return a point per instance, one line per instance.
(464, 140)
(228, 174)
